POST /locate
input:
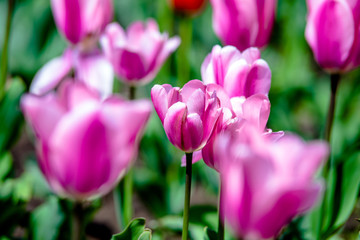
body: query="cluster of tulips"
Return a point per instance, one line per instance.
(87, 137)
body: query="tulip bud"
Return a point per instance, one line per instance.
(188, 114)
(333, 33)
(244, 23)
(240, 74)
(78, 19)
(84, 144)
(138, 54)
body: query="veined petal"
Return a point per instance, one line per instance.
(173, 123)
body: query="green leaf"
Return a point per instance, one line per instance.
(134, 231)
(6, 164)
(10, 114)
(342, 193)
(146, 235)
(46, 220)
(210, 234)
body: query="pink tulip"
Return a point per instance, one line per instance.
(84, 144)
(240, 74)
(244, 23)
(253, 111)
(333, 33)
(188, 114)
(266, 183)
(91, 68)
(138, 54)
(80, 19)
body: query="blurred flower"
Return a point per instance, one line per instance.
(78, 20)
(189, 7)
(251, 112)
(84, 144)
(138, 54)
(188, 114)
(333, 33)
(92, 68)
(240, 74)
(266, 183)
(244, 23)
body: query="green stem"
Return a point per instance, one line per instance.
(78, 231)
(132, 92)
(335, 79)
(185, 231)
(182, 61)
(128, 192)
(4, 57)
(124, 191)
(221, 232)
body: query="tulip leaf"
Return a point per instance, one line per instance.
(210, 234)
(344, 191)
(6, 164)
(46, 220)
(10, 114)
(134, 231)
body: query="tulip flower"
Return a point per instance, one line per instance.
(267, 183)
(188, 115)
(243, 23)
(138, 54)
(333, 33)
(240, 74)
(91, 68)
(78, 20)
(253, 111)
(189, 7)
(84, 144)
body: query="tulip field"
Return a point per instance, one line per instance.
(180, 119)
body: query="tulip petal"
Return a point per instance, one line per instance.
(259, 79)
(68, 18)
(96, 72)
(287, 207)
(196, 102)
(192, 133)
(130, 65)
(190, 87)
(330, 33)
(42, 113)
(50, 75)
(159, 98)
(251, 55)
(173, 123)
(236, 78)
(86, 165)
(256, 110)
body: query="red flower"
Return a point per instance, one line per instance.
(188, 6)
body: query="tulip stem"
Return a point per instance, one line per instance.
(78, 231)
(182, 60)
(128, 192)
(132, 92)
(4, 57)
(221, 232)
(335, 79)
(185, 231)
(128, 180)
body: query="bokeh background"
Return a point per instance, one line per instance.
(299, 96)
